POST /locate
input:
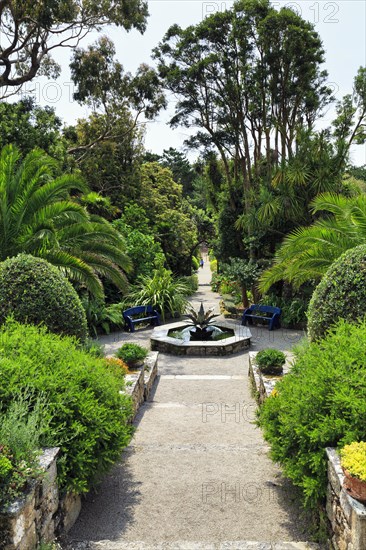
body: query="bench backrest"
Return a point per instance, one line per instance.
(264, 309)
(137, 310)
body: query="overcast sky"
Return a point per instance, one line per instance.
(341, 25)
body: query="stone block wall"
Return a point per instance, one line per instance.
(346, 515)
(139, 385)
(32, 520)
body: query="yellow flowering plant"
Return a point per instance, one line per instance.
(353, 459)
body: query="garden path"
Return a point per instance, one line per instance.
(196, 474)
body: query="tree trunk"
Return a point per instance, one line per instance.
(244, 296)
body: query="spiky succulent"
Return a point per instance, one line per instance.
(200, 318)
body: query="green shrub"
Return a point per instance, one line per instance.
(270, 361)
(293, 309)
(213, 266)
(34, 291)
(321, 403)
(22, 427)
(195, 263)
(340, 294)
(130, 353)
(191, 282)
(88, 415)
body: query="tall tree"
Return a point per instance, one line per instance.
(30, 31)
(248, 78)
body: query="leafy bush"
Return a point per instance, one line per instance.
(21, 431)
(130, 352)
(191, 282)
(162, 291)
(270, 361)
(321, 403)
(195, 263)
(213, 266)
(88, 415)
(33, 291)
(353, 459)
(100, 317)
(340, 294)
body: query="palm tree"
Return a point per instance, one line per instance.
(39, 217)
(308, 252)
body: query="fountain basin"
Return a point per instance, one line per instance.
(161, 341)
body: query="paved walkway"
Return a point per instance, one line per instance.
(196, 474)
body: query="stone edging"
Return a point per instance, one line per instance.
(142, 381)
(346, 515)
(264, 384)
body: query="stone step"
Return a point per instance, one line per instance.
(191, 545)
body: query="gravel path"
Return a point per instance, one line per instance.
(197, 472)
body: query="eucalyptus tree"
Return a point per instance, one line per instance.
(247, 79)
(38, 216)
(30, 32)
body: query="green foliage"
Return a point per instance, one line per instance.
(195, 263)
(169, 216)
(162, 291)
(319, 404)
(38, 217)
(340, 294)
(130, 352)
(88, 414)
(308, 252)
(142, 248)
(59, 24)
(270, 360)
(22, 429)
(100, 317)
(33, 291)
(28, 126)
(191, 283)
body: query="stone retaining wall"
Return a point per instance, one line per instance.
(43, 514)
(264, 384)
(32, 520)
(346, 515)
(139, 385)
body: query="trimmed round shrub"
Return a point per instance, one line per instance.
(341, 294)
(34, 291)
(88, 417)
(320, 403)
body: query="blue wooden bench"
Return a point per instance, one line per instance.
(140, 314)
(263, 313)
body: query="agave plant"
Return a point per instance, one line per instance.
(201, 319)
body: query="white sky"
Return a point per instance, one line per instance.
(341, 25)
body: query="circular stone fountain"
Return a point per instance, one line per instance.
(237, 339)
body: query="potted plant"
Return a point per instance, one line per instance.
(353, 461)
(132, 354)
(270, 361)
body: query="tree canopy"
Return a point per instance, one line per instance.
(30, 32)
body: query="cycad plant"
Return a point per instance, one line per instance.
(39, 217)
(308, 252)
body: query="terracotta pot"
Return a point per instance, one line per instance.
(354, 486)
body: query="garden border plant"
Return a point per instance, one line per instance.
(319, 404)
(89, 413)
